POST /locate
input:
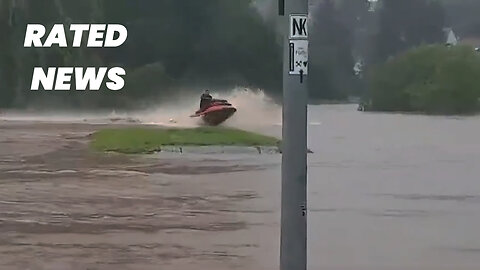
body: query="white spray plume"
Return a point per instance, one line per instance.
(254, 110)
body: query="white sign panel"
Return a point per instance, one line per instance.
(298, 26)
(298, 57)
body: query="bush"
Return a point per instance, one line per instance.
(432, 79)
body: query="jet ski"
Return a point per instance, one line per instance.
(216, 113)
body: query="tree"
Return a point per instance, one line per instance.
(212, 43)
(330, 54)
(432, 79)
(406, 24)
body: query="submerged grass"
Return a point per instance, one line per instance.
(149, 140)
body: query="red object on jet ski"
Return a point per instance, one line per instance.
(216, 113)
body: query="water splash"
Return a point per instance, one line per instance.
(254, 110)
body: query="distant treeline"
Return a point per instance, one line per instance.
(171, 44)
(190, 45)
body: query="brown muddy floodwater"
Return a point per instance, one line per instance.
(386, 192)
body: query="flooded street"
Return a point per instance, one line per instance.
(386, 192)
(394, 191)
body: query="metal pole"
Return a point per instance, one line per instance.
(293, 251)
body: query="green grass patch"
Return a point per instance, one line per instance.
(150, 140)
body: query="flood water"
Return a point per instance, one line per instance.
(386, 192)
(392, 191)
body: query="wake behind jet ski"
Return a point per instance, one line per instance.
(214, 111)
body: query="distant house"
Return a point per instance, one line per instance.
(451, 39)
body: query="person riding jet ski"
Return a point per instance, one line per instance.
(205, 100)
(214, 111)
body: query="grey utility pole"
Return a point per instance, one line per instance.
(294, 22)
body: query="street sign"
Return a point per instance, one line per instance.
(298, 26)
(298, 57)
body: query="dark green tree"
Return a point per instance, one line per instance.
(432, 79)
(209, 43)
(330, 54)
(406, 24)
